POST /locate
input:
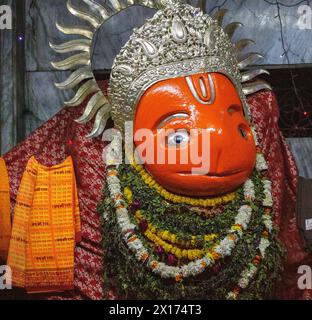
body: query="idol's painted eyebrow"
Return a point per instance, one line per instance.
(177, 115)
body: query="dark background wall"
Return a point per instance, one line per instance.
(28, 97)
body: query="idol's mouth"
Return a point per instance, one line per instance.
(223, 174)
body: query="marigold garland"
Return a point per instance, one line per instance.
(167, 235)
(209, 202)
(160, 237)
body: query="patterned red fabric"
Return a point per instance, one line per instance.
(62, 136)
(284, 175)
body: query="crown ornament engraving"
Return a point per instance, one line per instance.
(179, 40)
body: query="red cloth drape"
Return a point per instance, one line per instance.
(61, 135)
(284, 175)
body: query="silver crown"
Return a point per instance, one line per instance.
(179, 40)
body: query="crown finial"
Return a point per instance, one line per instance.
(171, 3)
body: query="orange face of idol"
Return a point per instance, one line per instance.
(200, 114)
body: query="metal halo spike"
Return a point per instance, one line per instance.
(98, 103)
(251, 57)
(73, 45)
(231, 28)
(256, 86)
(82, 93)
(95, 103)
(95, 21)
(251, 74)
(219, 16)
(75, 78)
(242, 44)
(99, 123)
(73, 61)
(116, 4)
(97, 8)
(82, 31)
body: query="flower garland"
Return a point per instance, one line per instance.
(249, 273)
(161, 236)
(171, 237)
(128, 229)
(210, 202)
(200, 259)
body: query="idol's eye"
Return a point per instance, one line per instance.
(178, 139)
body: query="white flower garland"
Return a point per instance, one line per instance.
(261, 163)
(264, 244)
(250, 272)
(268, 199)
(247, 275)
(249, 190)
(267, 221)
(254, 133)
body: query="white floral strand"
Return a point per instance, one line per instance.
(255, 136)
(243, 217)
(261, 163)
(267, 221)
(249, 273)
(249, 190)
(264, 244)
(268, 199)
(112, 154)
